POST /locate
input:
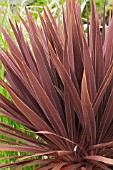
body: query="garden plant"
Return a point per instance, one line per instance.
(61, 89)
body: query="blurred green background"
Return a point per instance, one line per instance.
(9, 9)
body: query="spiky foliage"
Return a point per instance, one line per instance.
(61, 89)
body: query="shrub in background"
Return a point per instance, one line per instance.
(61, 89)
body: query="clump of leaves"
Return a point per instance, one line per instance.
(61, 90)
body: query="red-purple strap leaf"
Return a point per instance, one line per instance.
(103, 159)
(88, 113)
(108, 46)
(107, 117)
(89, 72)
(68, 84)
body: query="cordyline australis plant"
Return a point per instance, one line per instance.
(61, 89)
